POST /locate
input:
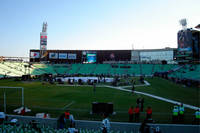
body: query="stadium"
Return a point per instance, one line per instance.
(89, 83)
(99, 66)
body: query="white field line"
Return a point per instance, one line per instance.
(68, 105)
(156, 97)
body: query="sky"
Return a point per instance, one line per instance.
(93, 24)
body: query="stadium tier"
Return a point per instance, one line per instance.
(187, 72)
(16, 69)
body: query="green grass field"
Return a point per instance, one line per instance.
(53, 99)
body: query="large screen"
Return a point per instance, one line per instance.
(185, 40)
(196, 45)
(91, 57)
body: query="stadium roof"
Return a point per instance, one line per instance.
(163, 49)
(198, 26)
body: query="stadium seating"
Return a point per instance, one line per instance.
(187, 72)
(61, 68)
(26, 128)
(45, 68)
(87, 69)
(14, 69)
(74, 68)
(102, 69)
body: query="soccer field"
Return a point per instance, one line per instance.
(54, 99)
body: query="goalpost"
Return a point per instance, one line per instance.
(4, 95)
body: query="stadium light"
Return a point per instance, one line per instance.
(183, 23)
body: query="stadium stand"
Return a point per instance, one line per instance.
(61, 68)
(187, 72)
(102, 69)
(87, 69)
(16, 69)
(74, 68)
(26, 128)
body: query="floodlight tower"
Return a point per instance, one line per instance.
(43, 42)
(183, 23)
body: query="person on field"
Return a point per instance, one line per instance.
(142, 104)
(138, 101)
(133, 89)
(94, 87)
(197, 117)
(181, 113)
(137, 113)
(175, 114)
(149, 113)
(130, 112)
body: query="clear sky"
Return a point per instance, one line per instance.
(93, 24)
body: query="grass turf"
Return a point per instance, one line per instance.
(53, 99)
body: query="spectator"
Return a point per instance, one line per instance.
(71, 119)
(149, 113)
(23, 111)
(61, 121)
(130, 112)
(137, 113)
(105, 124)
(144, 128)
(45, 115)
(72, 129)
(13, 121)
(157, 130)
(33, 124)
(2, 117)
(67, 114)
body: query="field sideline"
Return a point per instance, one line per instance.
(55, 99)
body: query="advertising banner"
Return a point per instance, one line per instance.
(62, 55)
(43, 38)
(35, 55)
(91, 58)
(185, 40)
(53, 55)
(43, 47)
(71, 56)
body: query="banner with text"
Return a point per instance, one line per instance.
(72, 56)
(62, 55)
(35, 55)
(53, 55)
